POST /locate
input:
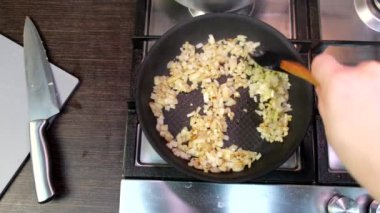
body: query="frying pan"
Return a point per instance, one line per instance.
(242, 130)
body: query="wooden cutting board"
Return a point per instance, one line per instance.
(14, 123)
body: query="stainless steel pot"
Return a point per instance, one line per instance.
(215, 5)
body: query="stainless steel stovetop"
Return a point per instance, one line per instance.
(348, 30)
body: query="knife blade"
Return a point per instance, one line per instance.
(42, 104)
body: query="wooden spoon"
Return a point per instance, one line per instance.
(273, 61)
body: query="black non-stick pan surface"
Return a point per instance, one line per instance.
(242, 130)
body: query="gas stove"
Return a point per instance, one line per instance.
(314, 176)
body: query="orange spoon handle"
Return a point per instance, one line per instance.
(298, 70)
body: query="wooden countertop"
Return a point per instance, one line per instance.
(90, 39)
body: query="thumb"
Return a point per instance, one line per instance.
(323, 66)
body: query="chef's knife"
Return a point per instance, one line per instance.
(43, 104)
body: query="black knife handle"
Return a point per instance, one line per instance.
(40, 160)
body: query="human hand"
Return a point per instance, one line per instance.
(349, 103)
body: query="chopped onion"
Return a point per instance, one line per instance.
(203, 143)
